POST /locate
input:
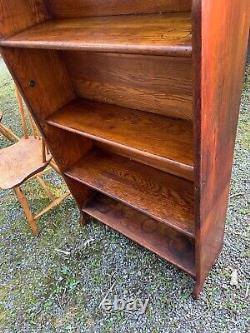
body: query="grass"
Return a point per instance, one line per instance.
(45, 290)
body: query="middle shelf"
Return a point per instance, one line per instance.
(163, 197)
(165, 143)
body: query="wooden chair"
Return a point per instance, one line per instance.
(24, 160)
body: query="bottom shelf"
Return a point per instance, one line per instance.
(153, 235)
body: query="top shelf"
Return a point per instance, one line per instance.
(158, 34)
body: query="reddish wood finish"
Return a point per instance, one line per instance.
(220, 42)
(64, 9)
(166, 198)
(142, 65)
(18, 15)
(167, 34)
(155, 236)
(155, 84)
(43, 78)
(168, 141)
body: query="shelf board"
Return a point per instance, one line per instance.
(161, 196)
(166, 141)
(154, 236)
(159, 34)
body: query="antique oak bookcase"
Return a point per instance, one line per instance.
(138, 102)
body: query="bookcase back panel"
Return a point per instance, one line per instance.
(80, 8)
(156, 84)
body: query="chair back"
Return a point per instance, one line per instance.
(25, 125)
(24, 115)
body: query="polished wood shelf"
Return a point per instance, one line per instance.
(163, 197)
(155, 236)
(165, 34)
(167, 141)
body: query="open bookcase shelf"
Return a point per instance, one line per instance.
(164, 197)
(139, 109)
(157, 237)
(165, 140)
(167, 34)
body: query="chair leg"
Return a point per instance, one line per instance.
(27, 211)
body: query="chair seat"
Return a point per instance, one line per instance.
(21, 161)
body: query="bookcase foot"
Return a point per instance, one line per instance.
(84, 219)
(197, 290)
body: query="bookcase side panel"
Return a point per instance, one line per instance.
(220, 30)
(42, 77)
(17, 15)
(45, 85)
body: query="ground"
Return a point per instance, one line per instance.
(56, 282)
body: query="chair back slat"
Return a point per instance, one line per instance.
(44, 151)
(25, 127)
(33, 126)
(22, 114)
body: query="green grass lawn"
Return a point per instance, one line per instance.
(56, 282)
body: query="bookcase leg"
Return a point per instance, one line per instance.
(197, 289)
(84, 218)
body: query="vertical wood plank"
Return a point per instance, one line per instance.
(220, 30)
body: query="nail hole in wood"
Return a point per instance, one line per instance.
(32, 83)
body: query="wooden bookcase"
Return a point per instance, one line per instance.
(138, 102)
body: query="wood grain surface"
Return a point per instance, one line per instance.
(18, 15)
(13, 172)
(159, 138)
(220, 42)
(166, 198)
(166, 34)
(157, 65)
(64, 9)
(51, 90)
(150, 83)
(155, 236)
